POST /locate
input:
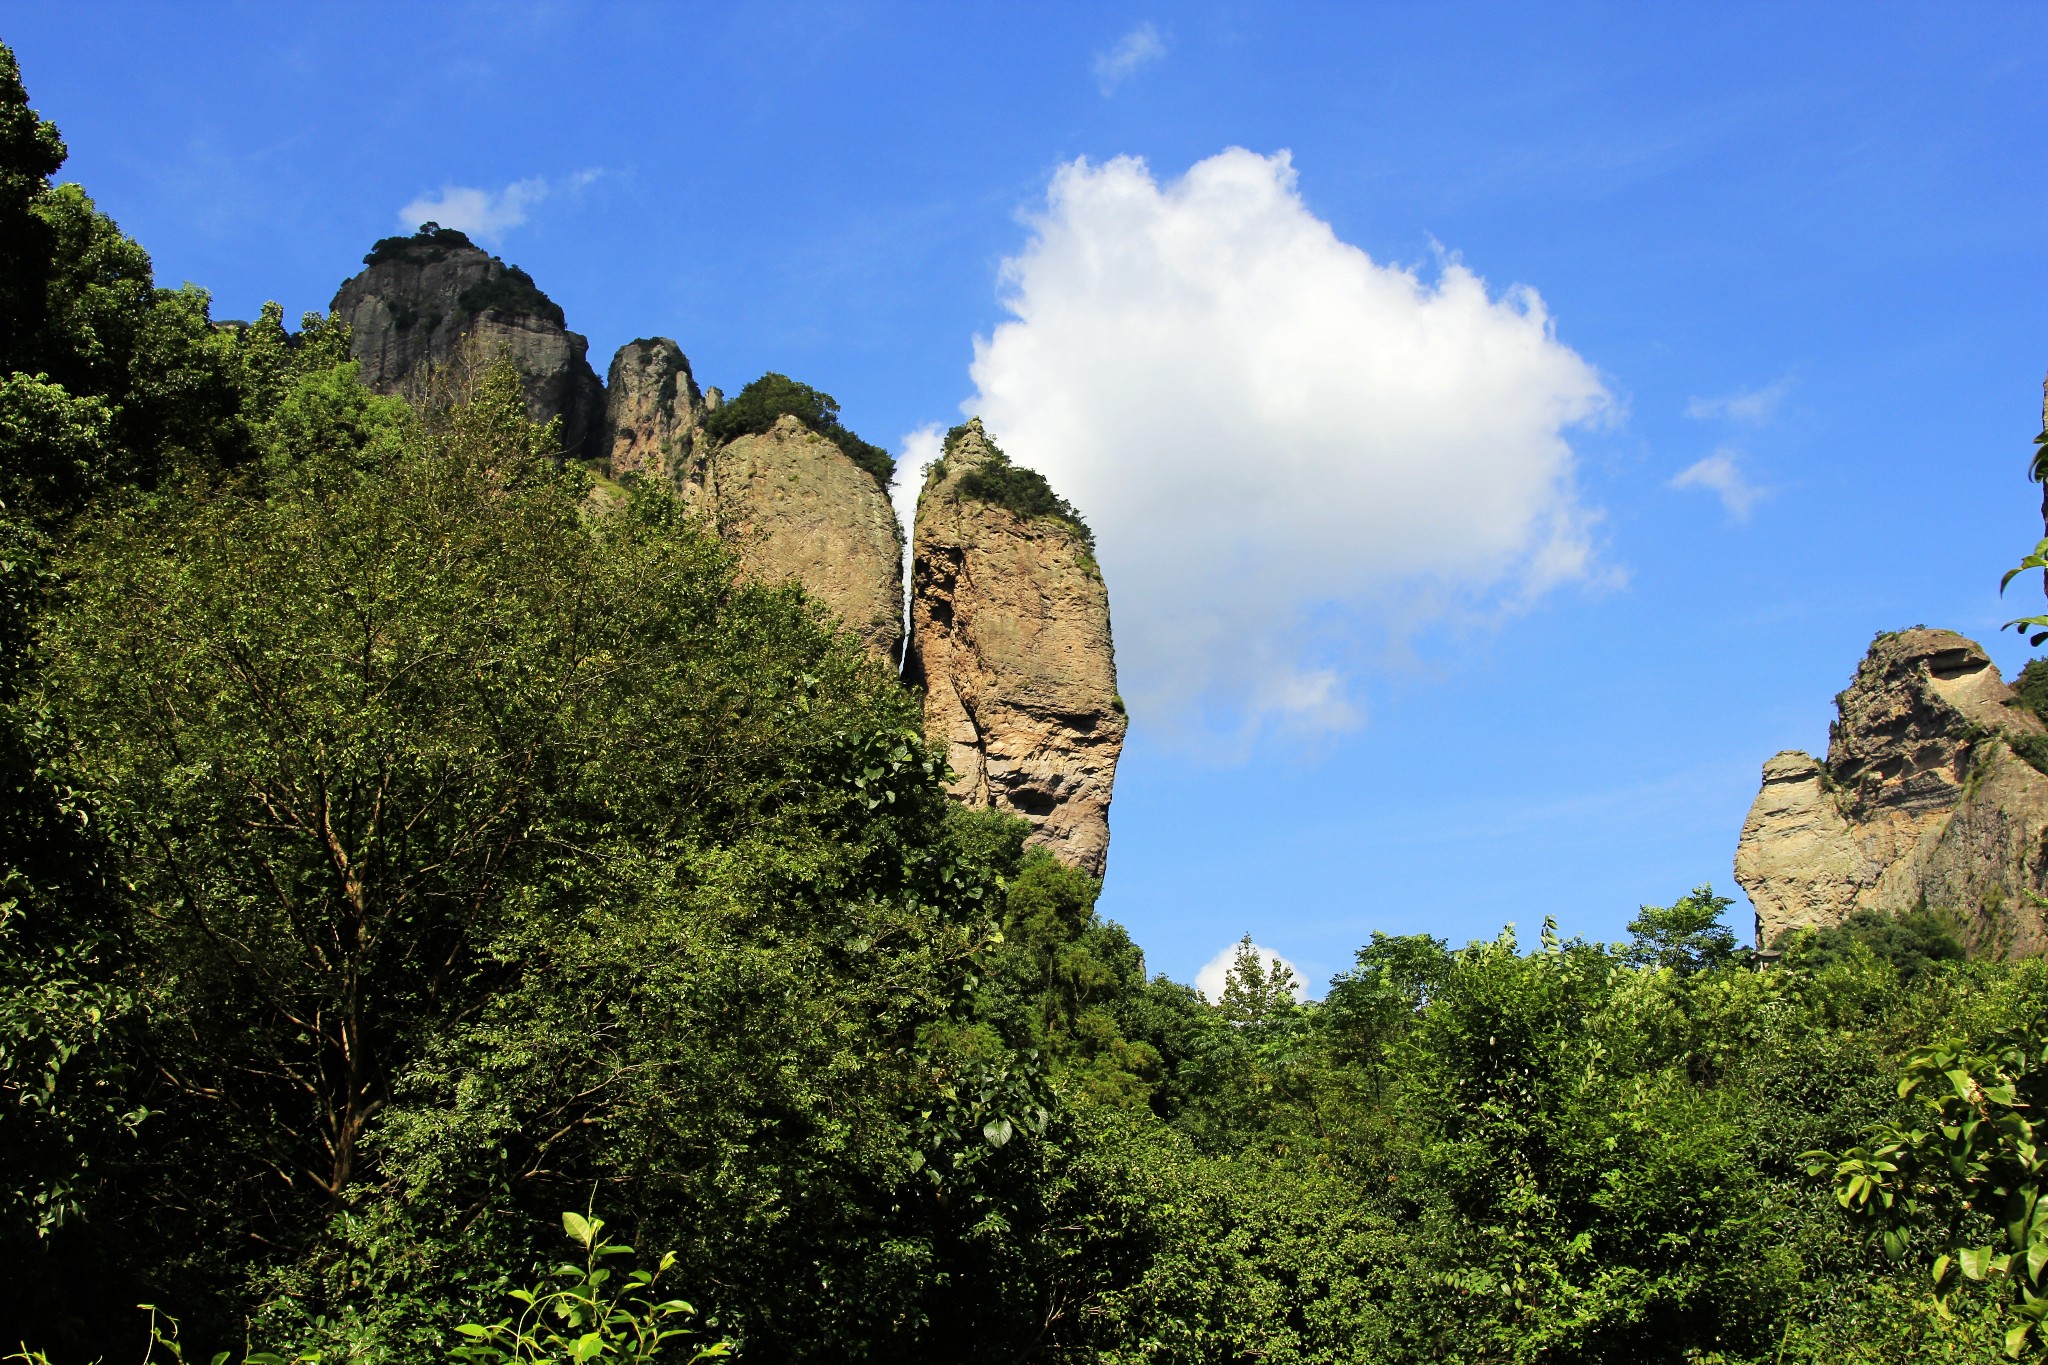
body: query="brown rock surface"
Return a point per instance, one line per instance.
(419, 296)
(794, 506)
(1010, 641)
(654, 416)
(1922, 801)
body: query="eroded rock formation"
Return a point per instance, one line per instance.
(1010, 641)
(795, 506)
(419, 296)
(654, 416)
(1923, 801)
(1010, 614)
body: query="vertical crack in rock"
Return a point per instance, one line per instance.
(1010, 641)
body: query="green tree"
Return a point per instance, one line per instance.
(1686, 936)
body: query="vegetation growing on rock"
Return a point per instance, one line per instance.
(772, 397)
(1026, 492)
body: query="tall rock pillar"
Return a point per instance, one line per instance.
(1009, 638)
(654, 417)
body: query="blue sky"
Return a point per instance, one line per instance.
(1798, 252)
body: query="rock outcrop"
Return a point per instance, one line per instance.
(1009, 638)
(654, 416)
(419, 296)
(1010, 615)
(795, 506)
(1925, 800)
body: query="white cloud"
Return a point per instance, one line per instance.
(1722, 474)
(1752, 406)
(1136, 50)
(486, 214)
(1209, 981)
(1284, 446)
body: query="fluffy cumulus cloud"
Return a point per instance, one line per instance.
(1209, 981)
(1132, 53)
(1285, 447)
(1721, 474)
(488, 214)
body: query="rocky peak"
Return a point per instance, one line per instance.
(1925, 799)
(419, 296)
(654, 415)
(1010, 641)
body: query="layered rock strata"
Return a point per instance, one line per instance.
(795, 506)
(1009, 638)
(1923, 801)
(418, 298)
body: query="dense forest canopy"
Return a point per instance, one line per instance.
(401, 848)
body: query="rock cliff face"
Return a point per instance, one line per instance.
(1010, 615)
(1923, 801)
(794, 506)
(654, 416)
(1010, 640)
(419, 296)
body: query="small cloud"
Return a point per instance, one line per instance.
(1209, 981)
(1720, 473)
(485, 213)
(1751, 406)
(1133, 52)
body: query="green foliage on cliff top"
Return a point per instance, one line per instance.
(509, 290)
(774, 396)
(1015, 488)
(428, 246)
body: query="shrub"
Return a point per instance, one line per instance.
(430, 244)
(1912, 943)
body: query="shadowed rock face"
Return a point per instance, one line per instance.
(794, 506)
(1922, 801)
(1010, 641)
(654, 416)
(419, 296)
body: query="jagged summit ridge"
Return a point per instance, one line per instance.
(1009, 616)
